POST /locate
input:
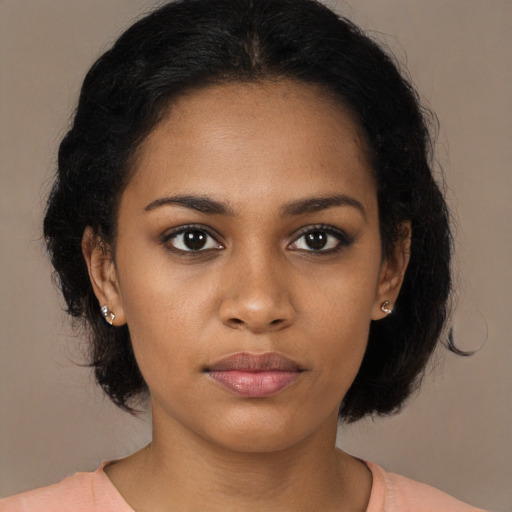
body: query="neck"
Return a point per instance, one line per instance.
(180, 470)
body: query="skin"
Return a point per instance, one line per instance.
(258, 149)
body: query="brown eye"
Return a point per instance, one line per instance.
(321, 239)
(316, 240)
(194, 240)
(191, 240)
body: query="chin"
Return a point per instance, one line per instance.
(266, 432)
(260, 442)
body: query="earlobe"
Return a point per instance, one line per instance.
(392, 274)
(103, 276)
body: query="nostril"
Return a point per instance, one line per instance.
(236, 322)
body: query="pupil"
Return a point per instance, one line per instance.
(316, 240)
(194, 239)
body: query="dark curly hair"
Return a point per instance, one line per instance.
(190, 44)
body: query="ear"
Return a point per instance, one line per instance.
(103, 274)
(392, 273)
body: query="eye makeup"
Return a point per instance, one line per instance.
(321, 239)
(191, 239)
(194, 239)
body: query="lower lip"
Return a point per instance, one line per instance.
(255, 384)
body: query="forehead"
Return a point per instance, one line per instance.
(251, 139)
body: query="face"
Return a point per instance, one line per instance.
(248, 263)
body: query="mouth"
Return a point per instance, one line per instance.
(255, 375)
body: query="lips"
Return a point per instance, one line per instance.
(255, 375)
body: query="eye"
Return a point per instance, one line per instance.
(191, 239)
(321, 239)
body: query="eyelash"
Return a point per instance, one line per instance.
(343, 238)
(184, 229)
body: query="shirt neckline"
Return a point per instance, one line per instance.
(374, 504)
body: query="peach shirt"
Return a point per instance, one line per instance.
(94, 492)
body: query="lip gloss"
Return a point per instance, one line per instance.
(255, 375)
(254, 384)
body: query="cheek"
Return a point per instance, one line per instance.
(343, 294)
(169, 317)
(341, 337)
(338, 315)
(154, 294)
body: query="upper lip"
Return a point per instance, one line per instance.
(251, 362)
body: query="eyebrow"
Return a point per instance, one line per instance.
(317, 204)
(205, 204)
(202, 204)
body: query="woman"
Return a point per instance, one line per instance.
(246, 220)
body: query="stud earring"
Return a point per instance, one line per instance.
(385, 307)
(107, 314)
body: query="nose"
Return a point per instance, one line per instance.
(256, 296)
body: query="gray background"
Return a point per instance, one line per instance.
(456, 434)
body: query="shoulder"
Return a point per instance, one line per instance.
(83, 492)
(396, 493)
